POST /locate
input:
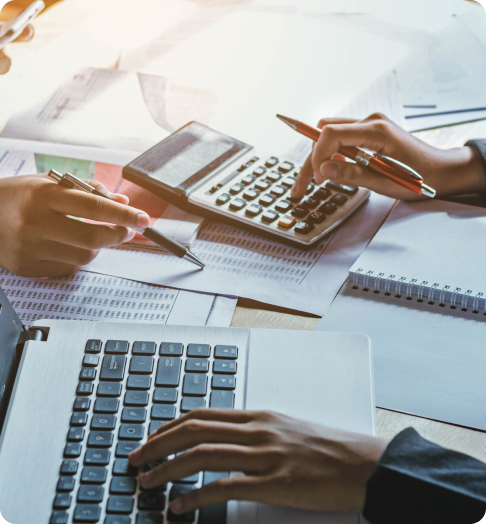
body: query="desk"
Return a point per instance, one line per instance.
(251, 314)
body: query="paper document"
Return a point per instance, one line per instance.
(240, 263)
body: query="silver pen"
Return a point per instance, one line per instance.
(72, 182)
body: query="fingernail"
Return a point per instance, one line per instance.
(131, 233)
(145, 478)
(329, 170)
(143, 220)
(135, 455)
(176, 506)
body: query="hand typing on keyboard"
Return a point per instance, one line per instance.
(286, 462)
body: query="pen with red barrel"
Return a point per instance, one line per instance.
(386, 166)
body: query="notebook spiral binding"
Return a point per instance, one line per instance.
(423, 292)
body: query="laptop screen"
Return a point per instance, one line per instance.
(10, 328)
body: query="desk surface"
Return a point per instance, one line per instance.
(251, 314)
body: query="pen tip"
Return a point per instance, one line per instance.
(289, 121)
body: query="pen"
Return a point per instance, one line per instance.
(72, 182)
(386, 166)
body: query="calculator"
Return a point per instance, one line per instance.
(212, 174)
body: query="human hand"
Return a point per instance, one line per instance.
(453, 171)
(38, 239)
(285, 462)
(5, 62)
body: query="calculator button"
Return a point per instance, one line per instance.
(237, 204)
(274, 176)
(328, 208)
(310, 188)
(300, 212)
(285, 167)
(248, 179)
(267, 200)
(339, 199)
(316, 218)
(303, 228)
(322, 193)
(288, 182)
(262, 185)
(235, 189)
(311, 203)
(251, 194)
(283, 206)
(253, 210)
(278, 191)
(222, 199)
(272, 161)
(287, 221)
(213, 190)
(270, 216)
(259, 171)
(347, 190)
(241, 168)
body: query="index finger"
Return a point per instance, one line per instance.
(83, 205)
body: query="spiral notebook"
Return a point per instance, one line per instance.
(418, 291)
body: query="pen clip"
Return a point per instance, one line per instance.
(399, 165)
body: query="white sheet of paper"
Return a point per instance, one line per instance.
(240, 263)
(222, 312)
(191, 309)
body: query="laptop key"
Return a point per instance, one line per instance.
(143, 348)
(123, 486)
(109, 389)
(141, 365)
(195, 384)
(190, 403)
(72, 450)
(230, 352)
(65, 484)
(223, 382)
(150, 518)
(163, 412)
(165, 395)
(79, 419)
(198, 350)
(122, 467)
(84, 388)
(197, 365)
(91, 361)
(59, 517)
(227, 367)
(93, 346)
(106, 405)
(103, 422)
(142, 382)
(86, 513)
(100, 439)
(155, 425)
(75, 434)
(173, 349)
(131, 432)
(178, 490)
(97, 457)
(123, 449)
(116, 346)
(113, 367)
(168, 371)
(117, 519)
(134, 415)
(213, 514)
(69, 467)
(119, 504)
(221, 399)
(93, 475)
(62, 501)
(81, 404)
(151, 500)
(136, 398)
(92, 494)
(87, 374)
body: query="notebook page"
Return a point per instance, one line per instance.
(440, 245)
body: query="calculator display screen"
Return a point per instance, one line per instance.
(188, 155)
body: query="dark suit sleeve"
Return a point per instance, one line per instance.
(418, 482)
(480, 146)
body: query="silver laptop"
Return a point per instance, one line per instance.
(78, 397)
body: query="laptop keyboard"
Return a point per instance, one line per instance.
(125, 392)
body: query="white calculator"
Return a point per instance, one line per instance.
(212, 174)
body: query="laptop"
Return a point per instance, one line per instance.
(78, 397)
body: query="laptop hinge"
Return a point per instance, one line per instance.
(35, 333)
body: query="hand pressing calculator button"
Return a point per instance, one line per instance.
(250, 194)
(253, 210)
(272, 161)
(303, 228)
(287, 222)
(237, 204)
(267, 200)
(222, 199)
(270, 216)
